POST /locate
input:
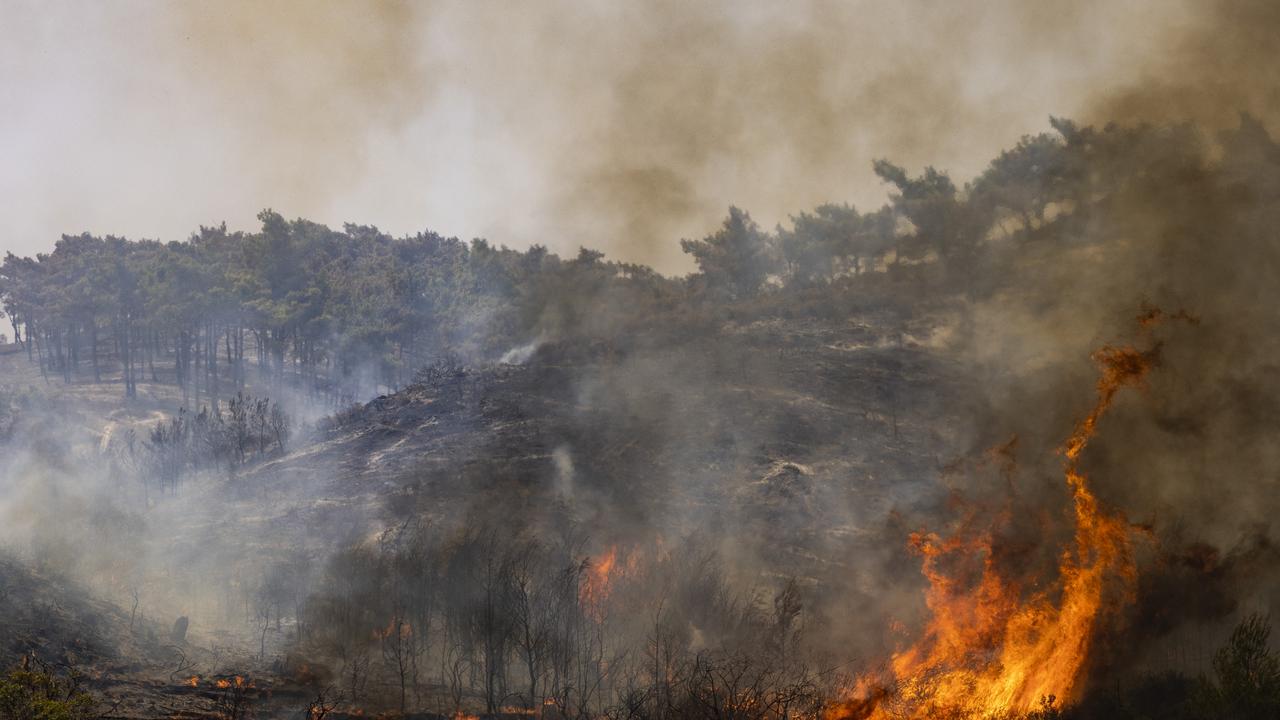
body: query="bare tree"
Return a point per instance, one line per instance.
(322, 704)
(278, 425)
(531, 605)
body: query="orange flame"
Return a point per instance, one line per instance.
(994, 647)
(595, 585)
(394, 628)
(601, 573)
(238, 681)
(193, 681)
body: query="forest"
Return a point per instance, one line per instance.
(516, 605)
(343, 313)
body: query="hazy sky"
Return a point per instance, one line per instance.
(618, 125)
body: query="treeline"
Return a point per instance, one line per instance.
(294, 301)
(337, 310)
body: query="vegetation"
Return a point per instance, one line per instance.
(1244, 685)
(213, 438)
(482, 618)
(331, 310)
(34, 691)
(1247, 674)
(347, 311)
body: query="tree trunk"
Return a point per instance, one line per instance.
(73, 331)
(39, 352)
(180, 364)
(93, 342)
(153, 348)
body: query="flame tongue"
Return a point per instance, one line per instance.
(990, 647)
(596, 584)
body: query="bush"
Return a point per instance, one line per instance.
(1245, 685)
(34, 692)
(1247, 674)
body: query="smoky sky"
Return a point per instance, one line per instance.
(621, 126)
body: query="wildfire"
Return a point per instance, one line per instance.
(395, 628)
(193, 681)
(996, 645)
(238, 682)
(601, 573)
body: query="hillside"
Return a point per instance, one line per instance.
(792, 441)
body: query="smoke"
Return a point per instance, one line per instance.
(520, 354)
(304, 83)
(1187, 229)
(1187, 226)
(1213, 65)
(622, 127)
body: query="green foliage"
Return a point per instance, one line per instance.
(833, 240)
(943, 222)
(353, 310)
(1246, 674)
(1245, 685)
(737, 259)
(39, 694)
(1025, 181)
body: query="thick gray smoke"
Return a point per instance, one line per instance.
(616, 126)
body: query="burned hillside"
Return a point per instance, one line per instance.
(604, 434)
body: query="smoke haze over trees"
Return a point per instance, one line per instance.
(612, 126)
